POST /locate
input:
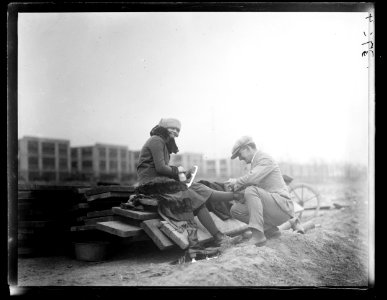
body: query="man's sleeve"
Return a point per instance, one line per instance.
(255, 175)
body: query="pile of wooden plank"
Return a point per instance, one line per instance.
(43, 217)
(54, 217)
(97, 207)
(148, 224)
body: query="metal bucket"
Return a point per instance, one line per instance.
(91, 250)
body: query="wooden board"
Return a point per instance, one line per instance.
(23, 206)
(26, 250)
(134, 214)
(321, 207)
(35, 224)
(181, 238)
(25, 195)
(112, 188)
(49, 187)
(134, 239)
(80, 206)
(99, 219)
(119, 228)
(83, 227)
(103, 204)
(230, 227)
(108, 195)
(82, 190)
(152, 229)
(100, 213)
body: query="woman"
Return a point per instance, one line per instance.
(176, 201)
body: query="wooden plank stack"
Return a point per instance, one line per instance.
(98, 203)
(51, 217)
(132, 223)
(43, 217)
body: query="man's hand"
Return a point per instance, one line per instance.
(240, 197)
(230, 184)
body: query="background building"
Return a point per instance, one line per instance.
(133, 161)
(209, 169)
(188, 160)
(48, 159)
(102, 162)
(43, 159)
(223, 169)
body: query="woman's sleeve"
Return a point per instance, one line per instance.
(157, 150)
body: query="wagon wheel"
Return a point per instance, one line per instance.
(306, 196)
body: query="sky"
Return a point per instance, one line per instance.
(296, 82)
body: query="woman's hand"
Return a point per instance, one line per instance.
(181, 169)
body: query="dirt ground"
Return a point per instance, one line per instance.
(335, 253)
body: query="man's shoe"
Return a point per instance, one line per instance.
(296, 225)
(247, 235)
(228, 241)
(260, 244)
(272, 233)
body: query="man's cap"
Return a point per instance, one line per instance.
(170, 123)
(241, 142)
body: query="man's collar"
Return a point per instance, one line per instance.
(256, 151)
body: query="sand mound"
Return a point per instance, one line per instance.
(316, 258)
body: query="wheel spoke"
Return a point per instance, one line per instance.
(315, 196)
(299, 199)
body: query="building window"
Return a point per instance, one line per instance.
(113, 165)
(63, 164)
(113, 153)
(48, 163)
(62, 149)
(86, 152)
(33, 163)
(74, 165)
(74, 153)
(102, 152)
(87, 164)
(123, 153)
(123, 166)
(33, 176)
(48, 148)
(211, 163)
(102, 165)
(48, 176)
(64, 176)
(32, 147)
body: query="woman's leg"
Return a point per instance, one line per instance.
(225, 196)
(205, 218)
(220, 239)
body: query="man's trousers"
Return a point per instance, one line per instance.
(262, 210)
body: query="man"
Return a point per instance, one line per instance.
(266, 203)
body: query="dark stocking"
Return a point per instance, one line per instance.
(205, 218)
